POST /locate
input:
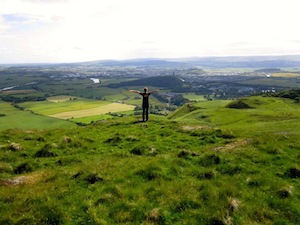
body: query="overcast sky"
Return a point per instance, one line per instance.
(84, 30)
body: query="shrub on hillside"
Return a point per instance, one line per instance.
(238, 104)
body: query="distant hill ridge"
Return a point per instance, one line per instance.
(160, 81)
(278, 61)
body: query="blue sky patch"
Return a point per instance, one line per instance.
(22, 22)
(15, 17)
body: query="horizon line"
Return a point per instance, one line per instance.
(151, 58)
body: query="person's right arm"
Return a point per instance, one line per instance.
(135, 91)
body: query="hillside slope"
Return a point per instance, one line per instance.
(206, 164)
(10, 117)
(262, 115)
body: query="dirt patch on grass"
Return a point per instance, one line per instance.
(233, 145)
(25, 179)
(192, 128)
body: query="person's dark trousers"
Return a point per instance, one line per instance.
(145, 113)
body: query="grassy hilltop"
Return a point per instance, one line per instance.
(215, 162)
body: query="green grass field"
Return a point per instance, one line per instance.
(266, 115)
(204, 164)
(16, 118)
(273, 81)
(73, 108)
(66, 107)
(194, 97)
(51, 107)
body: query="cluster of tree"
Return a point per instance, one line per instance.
(290, 94)
(171, 82)
(13, 99)
(178, 100)
(161, 98)
(238, 104)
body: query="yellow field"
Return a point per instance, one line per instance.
(60, 98)
(112, 107)
(285, 75)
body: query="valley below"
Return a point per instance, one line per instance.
(221, 145)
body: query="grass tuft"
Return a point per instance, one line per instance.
(15, 147)
(292, 172)
(285, 192)
(45, 152)
(24, 168)
(209, 160)
(150, 173)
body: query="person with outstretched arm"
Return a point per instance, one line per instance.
(145, 104)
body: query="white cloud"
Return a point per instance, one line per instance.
(80, 30)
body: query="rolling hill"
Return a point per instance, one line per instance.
(207, 163)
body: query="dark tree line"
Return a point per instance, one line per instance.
(293, 94)
(16, 100)
(171, 82)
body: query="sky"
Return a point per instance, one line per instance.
(55, 31)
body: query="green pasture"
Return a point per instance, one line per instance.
(73, 87)
(19, 119)
(61, 98)
(121, 171)
(264, 116)
(194, 97)
(77, 109)
(89, 119)
(50, 107)
(23, 92)
(273, 81)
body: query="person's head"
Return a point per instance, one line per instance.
(145, 89)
